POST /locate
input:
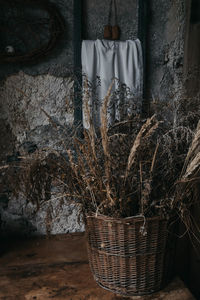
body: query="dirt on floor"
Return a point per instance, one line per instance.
(57, 268)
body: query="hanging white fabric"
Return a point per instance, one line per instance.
(105, 60)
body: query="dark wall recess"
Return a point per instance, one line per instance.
(77, 41)
(195, 12)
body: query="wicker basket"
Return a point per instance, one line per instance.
(127, 257)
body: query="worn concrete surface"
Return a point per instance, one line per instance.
(57, 268)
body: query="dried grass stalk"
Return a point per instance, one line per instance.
(128, 169)
(192, 161)
(88, 114)
(104, 136)
(146, 183)
(145, 132)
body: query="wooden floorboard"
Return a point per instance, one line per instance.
(57, 268)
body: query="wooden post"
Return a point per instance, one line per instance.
(142, 34)
(77, 42)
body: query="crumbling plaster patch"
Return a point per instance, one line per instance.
(22, 218)
(24, 99)
(30, 106)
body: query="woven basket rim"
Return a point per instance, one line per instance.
(132, 219)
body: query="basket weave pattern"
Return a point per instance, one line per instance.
(124, 260)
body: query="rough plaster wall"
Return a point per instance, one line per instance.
(165, 50)
(42, 84)
(20, 217)
(21, 98)
(45, 85)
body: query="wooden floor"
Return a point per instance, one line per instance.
(57, 268)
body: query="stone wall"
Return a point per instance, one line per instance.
(26, 89)
(165, 49)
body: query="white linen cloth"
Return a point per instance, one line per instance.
(106, 60)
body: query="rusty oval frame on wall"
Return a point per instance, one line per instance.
(14, 26)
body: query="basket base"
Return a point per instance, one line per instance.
(115, 291)
(125, 262)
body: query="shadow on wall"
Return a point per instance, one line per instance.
(191, 256)
(20, 227)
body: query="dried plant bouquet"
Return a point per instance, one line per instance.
(138, 166)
